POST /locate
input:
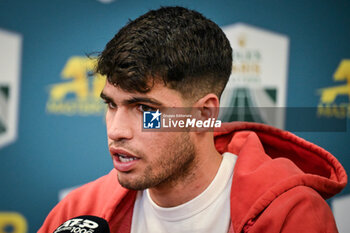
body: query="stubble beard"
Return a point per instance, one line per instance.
(175, 164)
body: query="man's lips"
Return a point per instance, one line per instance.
(123, 160)
(118, 151)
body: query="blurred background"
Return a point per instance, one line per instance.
(291, 58)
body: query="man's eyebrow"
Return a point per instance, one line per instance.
(133, 100)
(142, 100)
(105, 97)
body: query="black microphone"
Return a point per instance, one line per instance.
(84, 224)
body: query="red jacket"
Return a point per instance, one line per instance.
(279, 184)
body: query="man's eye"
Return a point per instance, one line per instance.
(145, 108)
(110, 104)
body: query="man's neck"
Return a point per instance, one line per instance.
(186, 188)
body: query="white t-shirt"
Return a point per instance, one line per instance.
(208, 212)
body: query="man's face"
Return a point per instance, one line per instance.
(145, 159)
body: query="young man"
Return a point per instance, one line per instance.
(244, 178)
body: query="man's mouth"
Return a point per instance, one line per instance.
(124, 158)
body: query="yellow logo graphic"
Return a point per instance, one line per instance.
(12, 222)
(328, 106)
(81, 95)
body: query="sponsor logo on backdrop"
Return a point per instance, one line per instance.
(259, 75)
(12, 222)
(10, 57)
(81, 95)
(334, 100)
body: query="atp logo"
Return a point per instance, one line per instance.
(80, 96)
(334, 101)
(152, 119)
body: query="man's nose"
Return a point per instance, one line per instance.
(119, 126)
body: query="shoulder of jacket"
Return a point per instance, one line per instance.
(94, 198)
(299, 209)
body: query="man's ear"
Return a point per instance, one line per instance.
(207, 107)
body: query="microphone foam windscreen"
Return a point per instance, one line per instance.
(84, 224)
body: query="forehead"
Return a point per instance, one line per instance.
(159, 92)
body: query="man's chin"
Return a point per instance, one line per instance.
(132, 184)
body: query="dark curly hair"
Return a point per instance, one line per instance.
(175, 45)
